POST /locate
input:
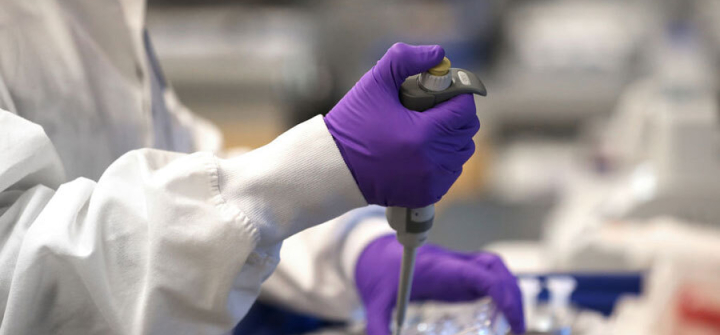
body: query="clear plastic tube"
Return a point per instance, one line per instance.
(530, 288)
(561, 288)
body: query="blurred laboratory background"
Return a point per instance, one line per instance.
(599, 154)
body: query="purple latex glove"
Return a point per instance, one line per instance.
(440, 274)
(397, 156)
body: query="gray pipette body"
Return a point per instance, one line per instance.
(412, 226)
(418, 93)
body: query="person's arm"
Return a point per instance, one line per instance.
(163, 242)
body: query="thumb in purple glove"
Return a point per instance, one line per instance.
(440, 274)
(397, 156)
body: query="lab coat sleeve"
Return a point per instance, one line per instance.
(316, 274)
(162, 243)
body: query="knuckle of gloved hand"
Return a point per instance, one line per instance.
(463, 154)
(470, 150)
(473, 125)
(451, 166)
(495, 285)
(398, 49)
(493, 261)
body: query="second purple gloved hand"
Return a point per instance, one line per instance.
(440, 274)
(397, 156)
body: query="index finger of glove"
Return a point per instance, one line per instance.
(456, 113)
(404, 60)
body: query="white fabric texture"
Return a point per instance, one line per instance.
(80, 70)
(106, 257)
(317, 273)
(306, 170)
(153, 246)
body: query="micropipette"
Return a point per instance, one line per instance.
(421, 92)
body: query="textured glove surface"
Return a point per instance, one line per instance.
(397, 156)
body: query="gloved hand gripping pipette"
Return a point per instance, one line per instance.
(419, 93)
(400, 157)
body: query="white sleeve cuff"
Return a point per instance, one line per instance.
(297, 181)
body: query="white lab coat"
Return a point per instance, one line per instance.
(99, 236)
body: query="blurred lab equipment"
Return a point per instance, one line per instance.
(558, 303)
(563, 62)
(681, 298)
(420, 93)
(646, 199)
(202, 49)
(561, 287)
(661, 150)
(530, 288)
(555, 317)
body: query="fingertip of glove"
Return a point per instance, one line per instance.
(434, 55)
(437, 52)
(514, 312)
(412, 59)
(434, 50)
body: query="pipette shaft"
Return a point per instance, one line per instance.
(405, 285)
